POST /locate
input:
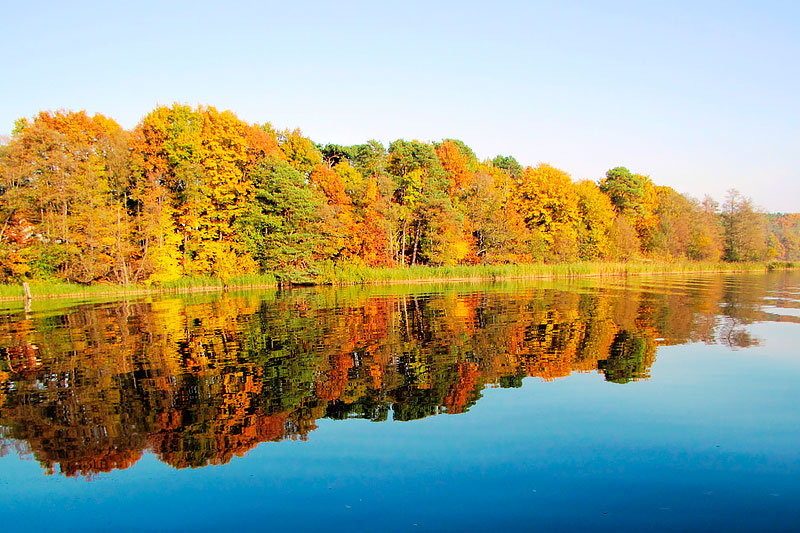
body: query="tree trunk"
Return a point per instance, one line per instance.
(5, 225)
(144, 258)
(120, 255)
(65, 238)
(403, 245)
(416, 242)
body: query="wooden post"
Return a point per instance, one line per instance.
(27, 290)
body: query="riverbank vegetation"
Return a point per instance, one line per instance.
(333, 274)
(193, 197)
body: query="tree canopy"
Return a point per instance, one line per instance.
(197, 191)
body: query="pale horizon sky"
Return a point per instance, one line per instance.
(700, 96)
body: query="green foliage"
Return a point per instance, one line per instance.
(278, 227)
(406, 157)
(509, 164)
(369, 158)
(630, 358)
(333, 154)
(626, 190)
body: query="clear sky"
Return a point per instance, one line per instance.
(701, 96)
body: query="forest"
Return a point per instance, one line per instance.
(199, 192)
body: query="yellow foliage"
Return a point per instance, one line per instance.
(547, 200)
(597, 216)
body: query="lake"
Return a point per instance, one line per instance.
(660, 403)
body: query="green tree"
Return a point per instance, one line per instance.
(633, 196)
(279, 225)
(509, 164)
(420, 194)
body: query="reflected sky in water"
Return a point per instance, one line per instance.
(662, 403)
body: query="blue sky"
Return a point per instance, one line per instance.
(701, 96)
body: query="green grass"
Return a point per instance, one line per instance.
(62, 288)
(343, 275)
(185, 284)
(332, 274)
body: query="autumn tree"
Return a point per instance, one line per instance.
(337, 225)
(675, 215)
(624, 243)
(634, 197)
(300, 152)
(546, 199)
(200, 157)
(596, 218)
(509, 164)
(500, 233)
(60, 172)
(785, 227)
(744, 229)
(459, 163)
(706, 239)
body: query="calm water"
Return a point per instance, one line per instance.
(654, 404)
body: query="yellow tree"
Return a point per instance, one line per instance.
(500, 233)
(224, 157)
(165, 149)
(61, 159)
(672, 234)
(200, 158)
(301, 152)
(597, 216)
(546, 199)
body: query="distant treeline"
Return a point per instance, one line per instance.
(199, 192)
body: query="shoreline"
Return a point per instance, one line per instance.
(394, 276)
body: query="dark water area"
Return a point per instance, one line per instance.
(655, 403)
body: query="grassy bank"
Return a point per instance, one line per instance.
(344, 275)
(55, 289)
(331, 274)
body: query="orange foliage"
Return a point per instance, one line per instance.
(456, 166)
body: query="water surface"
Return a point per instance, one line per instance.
(656, 403)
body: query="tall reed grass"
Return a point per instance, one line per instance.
(185, 284)
(343, 275)
(333, 274)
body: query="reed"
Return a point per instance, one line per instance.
(332, 274)
(349, 274)
(52, 289)
(62, 288)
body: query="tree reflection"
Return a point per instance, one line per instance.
(197, 380)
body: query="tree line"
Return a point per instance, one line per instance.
(194, 191)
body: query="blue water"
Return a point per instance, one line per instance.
(709, 442)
